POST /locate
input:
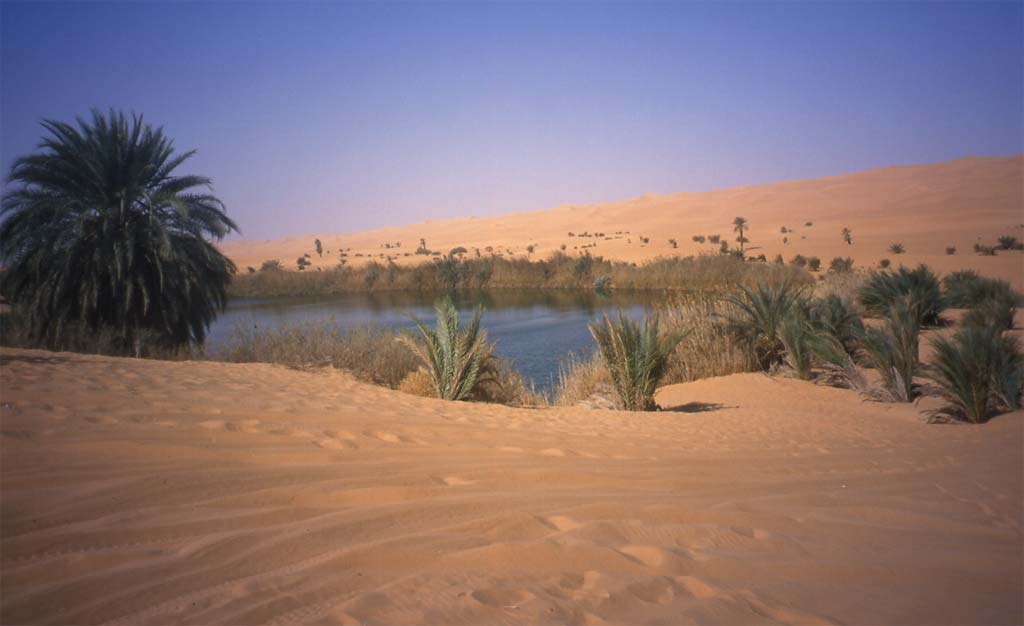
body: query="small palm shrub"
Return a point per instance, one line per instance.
(893, 351)
(837, 317)
(456, 360)
(884, 263)
(997, 314)
(636, 355)
(814, 263)
(965, 289)
(806, 345)
(755, 324)
(978, 372)
(882, 290)
(897, 248)
(951, 250)
(799, 260)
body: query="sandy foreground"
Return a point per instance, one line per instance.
(927, 208)
(145, 492)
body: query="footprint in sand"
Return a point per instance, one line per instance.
(100, 420)
(562, 523)
(695, 587)
(647, 555)
(502, 598)
(452, 481)
(335, 444)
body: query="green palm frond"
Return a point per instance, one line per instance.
(636, 355)
(760, 312)
(456, 360)
(977, 372)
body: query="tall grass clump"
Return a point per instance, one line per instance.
(755, 324)
(582, 380)
(919, 287)
(893, 352)
(457, 360)
(371, 354)
(706, 350)
(636, 355)
(978, 372)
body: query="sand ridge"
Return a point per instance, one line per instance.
(926, 208)
(145, 492)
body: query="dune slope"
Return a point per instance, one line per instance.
(927, 208)
(143, 492)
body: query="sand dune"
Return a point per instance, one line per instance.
(927, 208)
(144, 492)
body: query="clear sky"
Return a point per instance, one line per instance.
(326, 117)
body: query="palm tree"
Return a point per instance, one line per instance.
(456, 360)
(740, 225)
(98, 234)
(848, 236)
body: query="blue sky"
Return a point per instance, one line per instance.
(330, 117)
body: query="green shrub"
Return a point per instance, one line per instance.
(950, 250)
(799, 261)
(884, 263)
(814, 263)
(840, 265)
(456, 360)
(893, 351)
(837, 317)
(965, 289)
(897, 248)
(882, 290)
(997, 314)
(1007, 242)
(636, 355)
(755, 324)
(977, 372)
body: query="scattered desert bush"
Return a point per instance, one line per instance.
(636, 355)
(984, 250)
(714, 238)
(799, 260)
(814, 263)
(884, 263)
(897, 248)
(1007, 242)
(893, 351)
(840, 265)
(978, 373)
(271, 265)
(698, 238)
(950, 250)
(371, 354)
(882, 290)
(755, 323)
(457, 360)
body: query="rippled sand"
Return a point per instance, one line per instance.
(143, 492)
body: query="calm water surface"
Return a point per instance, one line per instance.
(536, 329)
